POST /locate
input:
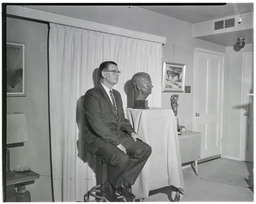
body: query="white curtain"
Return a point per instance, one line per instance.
(74, 54)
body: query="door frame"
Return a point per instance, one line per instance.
(242, 143)
(222, 90)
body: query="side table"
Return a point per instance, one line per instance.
(190, 148)
(15, 179)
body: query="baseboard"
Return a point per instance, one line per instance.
(203, 160)
(209, 158)
(233, 158)
(186, 166)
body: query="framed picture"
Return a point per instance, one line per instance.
(15, 69)
(173, 77)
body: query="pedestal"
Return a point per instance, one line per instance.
(140, 104)
(157, 128)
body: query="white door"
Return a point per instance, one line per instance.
(208, 100)
(247, 108)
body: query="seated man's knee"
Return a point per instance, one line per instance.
(119, 160)
(148, 150)
(143, 151)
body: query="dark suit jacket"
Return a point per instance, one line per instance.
(102, 120)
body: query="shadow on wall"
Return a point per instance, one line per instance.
(95, 77)
(129, 92)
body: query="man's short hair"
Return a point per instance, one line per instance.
(105, 65)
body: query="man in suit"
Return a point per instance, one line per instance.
(111, 137)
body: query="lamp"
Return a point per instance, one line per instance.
(239, 44)
(16, 134)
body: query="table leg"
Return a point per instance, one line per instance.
(175, 196)
(195, 166)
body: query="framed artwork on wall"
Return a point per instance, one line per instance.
(15, 69)
(173, 77)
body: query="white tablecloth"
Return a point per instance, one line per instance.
(157, 127)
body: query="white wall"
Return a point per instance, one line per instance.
(35, 152)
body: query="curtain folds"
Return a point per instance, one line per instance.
(74, 54)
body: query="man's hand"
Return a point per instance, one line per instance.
(135, 136)
(121, 147)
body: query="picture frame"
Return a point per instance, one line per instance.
(173, 77)
(15, 65)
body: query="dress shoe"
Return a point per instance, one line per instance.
(126, 191)
(110, 193)
(129, 188)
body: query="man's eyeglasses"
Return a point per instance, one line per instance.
(113, 71)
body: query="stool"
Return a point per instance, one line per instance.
(95, 192)
(101, 176)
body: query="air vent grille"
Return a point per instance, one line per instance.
(219, 25)
(229, 23)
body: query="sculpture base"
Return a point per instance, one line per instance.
(140, 104)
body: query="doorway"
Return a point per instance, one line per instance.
(208, 100)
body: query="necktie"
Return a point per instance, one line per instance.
(113, 100)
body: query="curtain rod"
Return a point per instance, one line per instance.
(24, 12)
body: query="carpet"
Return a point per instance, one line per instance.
(227, 171)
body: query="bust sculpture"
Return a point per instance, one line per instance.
(142, 87)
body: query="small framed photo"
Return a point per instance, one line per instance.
(173, 77)
(15, 69)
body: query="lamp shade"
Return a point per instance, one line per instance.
(16, 128)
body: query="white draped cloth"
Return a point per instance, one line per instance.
(158, 128)
(74, 55)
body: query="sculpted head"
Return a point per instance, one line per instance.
(142, 85)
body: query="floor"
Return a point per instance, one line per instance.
(197, 189)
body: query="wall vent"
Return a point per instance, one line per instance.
(219, 25)
(230, 23)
